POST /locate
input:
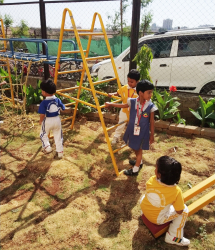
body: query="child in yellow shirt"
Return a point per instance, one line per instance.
(163, 200)
(127, 91)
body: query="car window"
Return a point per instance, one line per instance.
(196, 46)
(161, 48)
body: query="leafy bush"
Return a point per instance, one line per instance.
(206, 112)
(166, 104)
(33, 96)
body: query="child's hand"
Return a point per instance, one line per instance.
(107, 105)
(4, 82)
(151, 139)
(110, 94)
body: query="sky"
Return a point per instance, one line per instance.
(189, 13)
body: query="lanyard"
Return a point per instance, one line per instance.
(139, 116)
(132, 94)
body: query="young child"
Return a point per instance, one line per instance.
(128, 91)
(49, 118)
(140, 129)
(164, 201)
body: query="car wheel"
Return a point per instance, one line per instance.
(208, 89)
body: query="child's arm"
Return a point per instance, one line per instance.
(42, 116)
(111, 94)
(152, 127)
(117, 105)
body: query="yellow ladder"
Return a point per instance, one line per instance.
(2, 60)
(84, 55)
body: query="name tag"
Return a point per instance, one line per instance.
(136, 130)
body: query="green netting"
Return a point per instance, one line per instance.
(97, 48)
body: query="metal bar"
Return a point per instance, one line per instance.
(96, 57)
(65, 119)
(69, 71)
(116, 150)
(199, 188)
(106, 80)
(77, 100)
(65, 90)
(108, 129)
(71, 52)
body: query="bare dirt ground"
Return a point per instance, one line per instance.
(79, 203)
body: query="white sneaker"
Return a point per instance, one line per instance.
(60, 154)
(115, 140)
(177, 241)
(47, 150)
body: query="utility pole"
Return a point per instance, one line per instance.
(135, 25)
(44, 34)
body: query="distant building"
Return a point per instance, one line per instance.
(167, 24)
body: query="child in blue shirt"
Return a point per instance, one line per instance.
(49, 118)
(140, 129)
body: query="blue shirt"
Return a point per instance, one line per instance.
(51, 106)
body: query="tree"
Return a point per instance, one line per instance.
(21, 30)
(8, 21)
(145, 22)
(1, 1)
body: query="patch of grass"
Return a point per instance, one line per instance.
(27, 187)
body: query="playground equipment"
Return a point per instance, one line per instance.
(158, 230)
(37, 57)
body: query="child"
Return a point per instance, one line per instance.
(49, 118)
(128, 91)
(164, 202)
(140, 130)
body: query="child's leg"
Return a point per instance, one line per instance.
(58, 135)
(176, 229)
(135, 170)
(45, 129)
(119, 129)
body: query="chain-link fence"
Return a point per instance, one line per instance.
(179, 34)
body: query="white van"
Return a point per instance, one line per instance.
(182, 58)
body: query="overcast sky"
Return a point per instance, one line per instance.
(190, 13)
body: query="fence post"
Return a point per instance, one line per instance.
(134, 32)
(44, 34)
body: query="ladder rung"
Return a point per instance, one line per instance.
(120, 123)
(6, 89)
(106, 80)
(77, 30)
(65, 119)
(69, 71)
(97, 57)
(4, 76)
(71, 52)
(67, 89)
(91, 34)
(116, 150)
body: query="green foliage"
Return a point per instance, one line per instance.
(145, 22)
(8, 21)
(33, 96)
(143, 59)
(206, 112)
(179, 120)
(202, 232)
(166, 104)
(22, 30)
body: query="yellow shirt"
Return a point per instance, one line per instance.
(126, 93)
(158, 196)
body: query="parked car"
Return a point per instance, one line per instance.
(182, 58)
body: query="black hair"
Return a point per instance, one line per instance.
(169, 169)
(144, 85)
(48, 86)
(134, 74)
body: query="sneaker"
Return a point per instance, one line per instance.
(115, 140)
(47, 150)
(60, 154)
(176, 241)
(132, 163)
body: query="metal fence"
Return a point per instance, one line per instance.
(178, 32)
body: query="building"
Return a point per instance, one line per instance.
(167, 24)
